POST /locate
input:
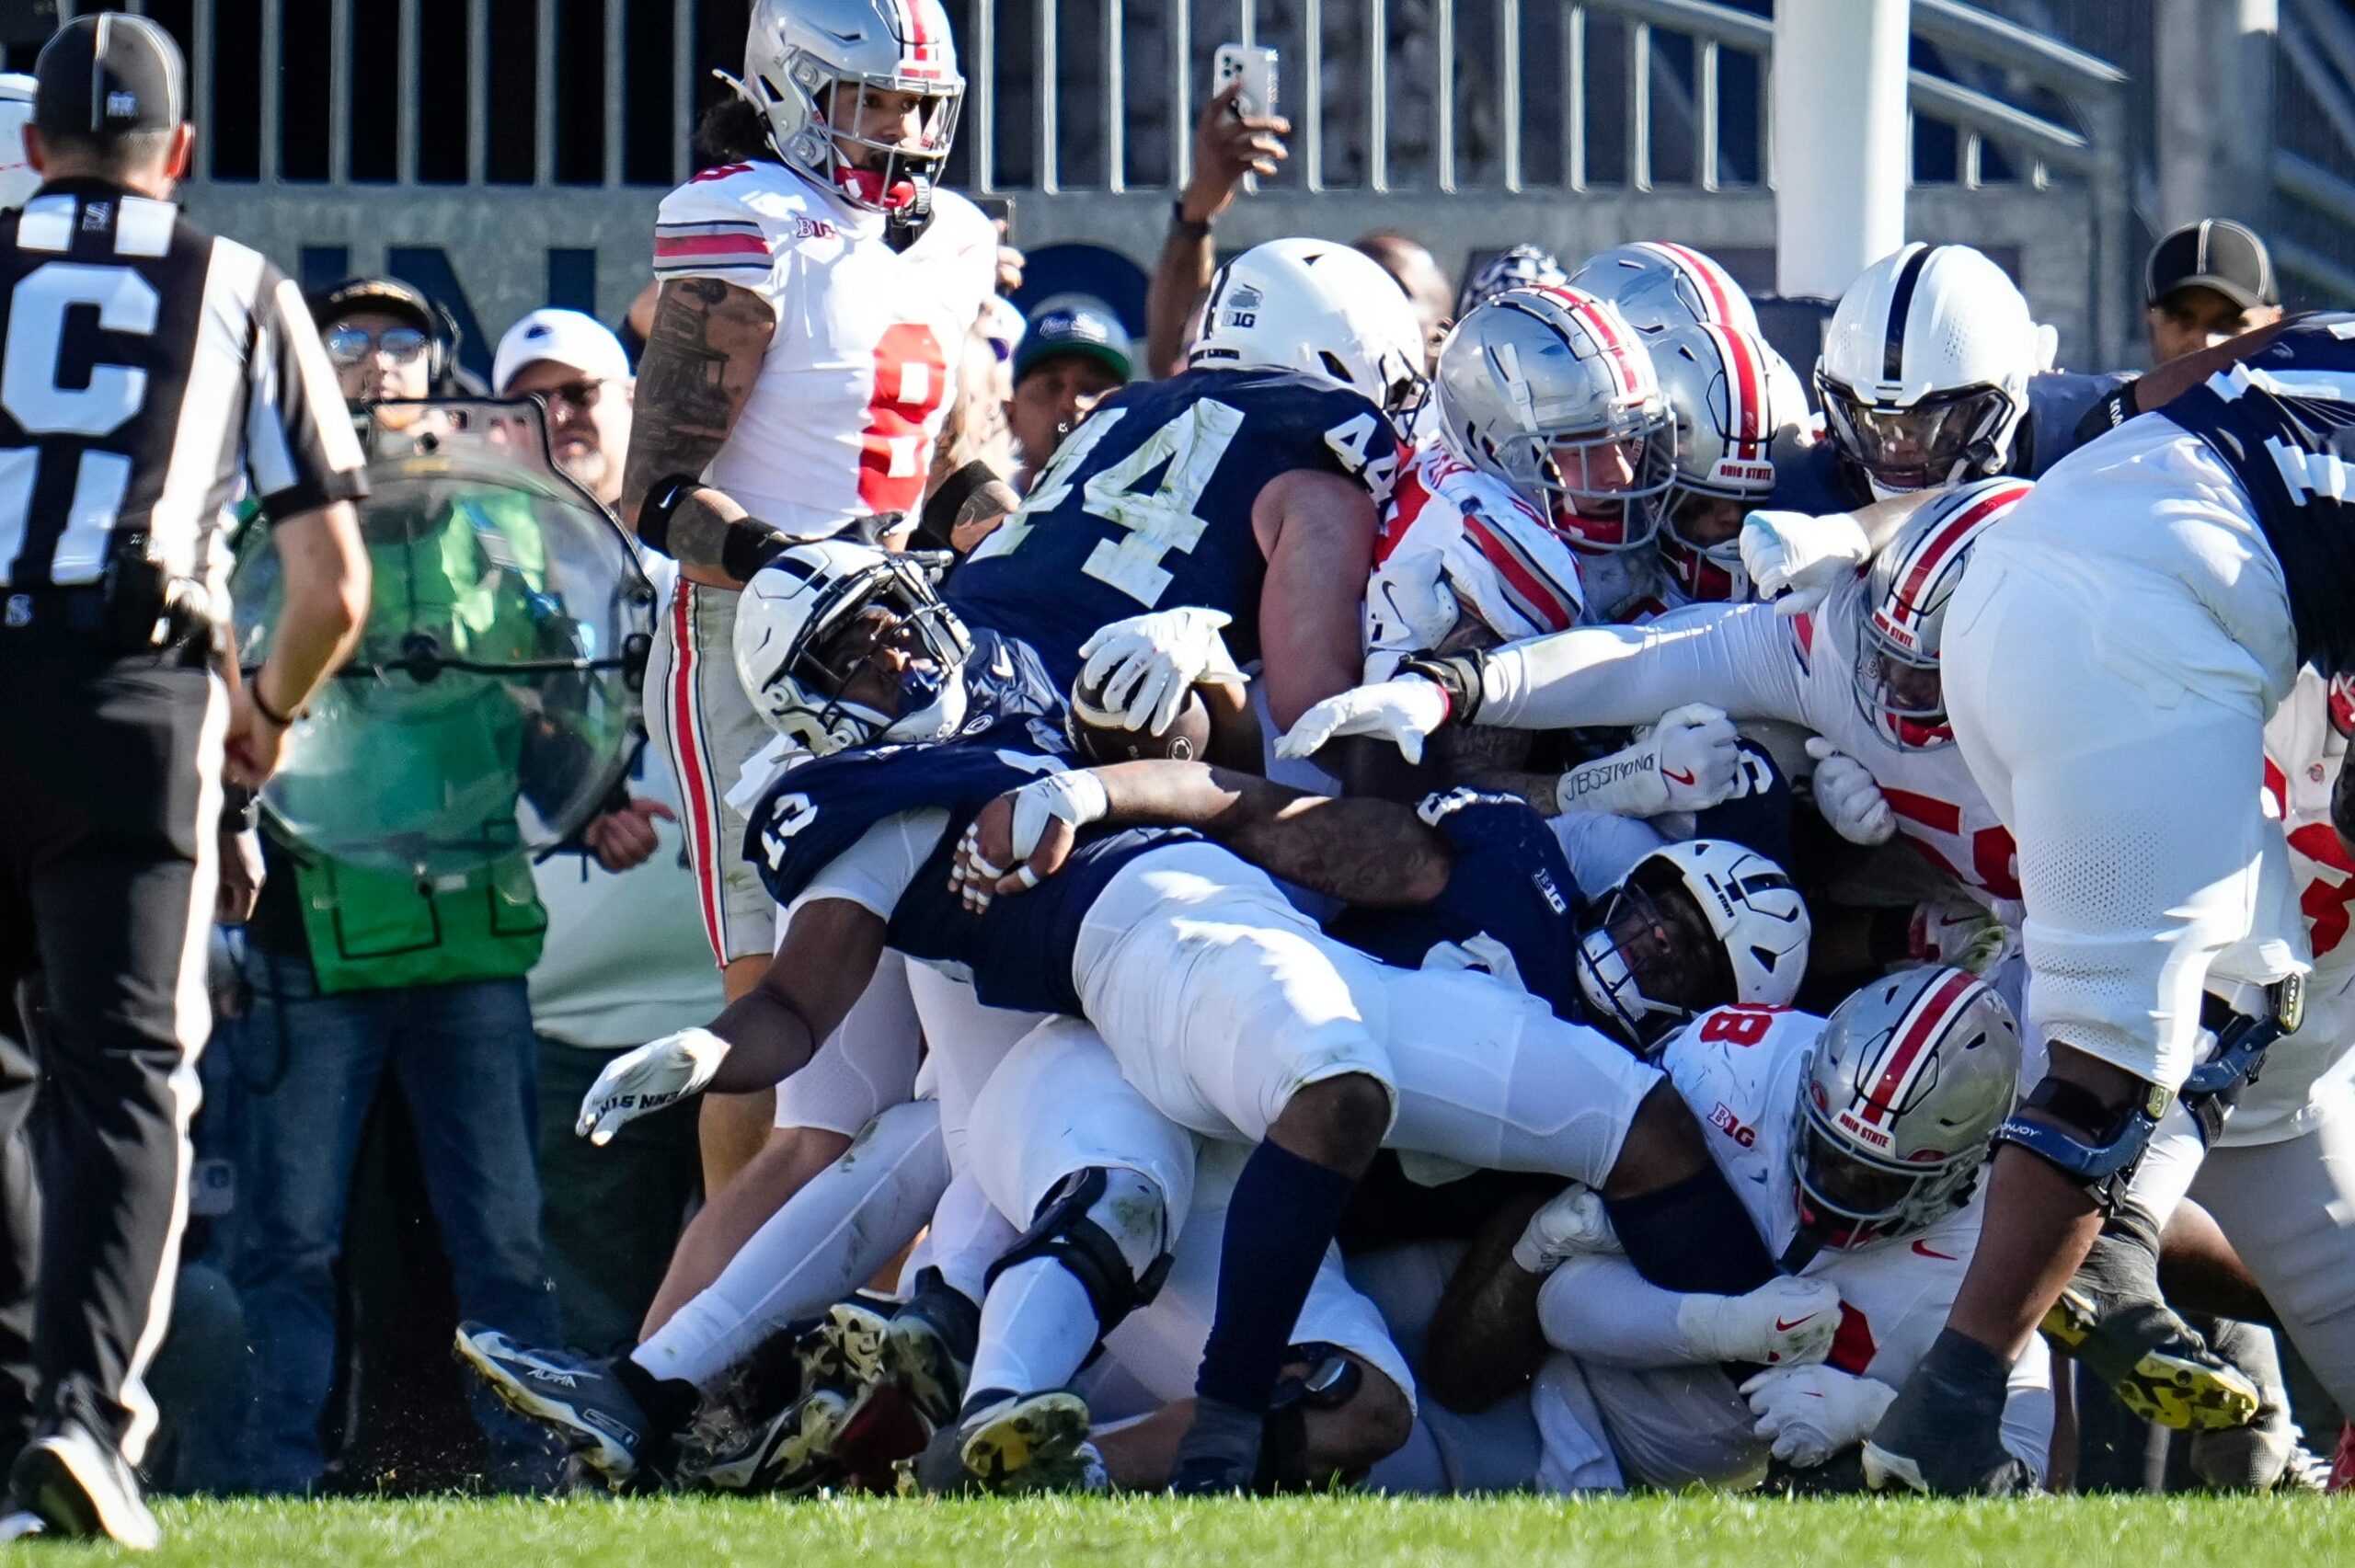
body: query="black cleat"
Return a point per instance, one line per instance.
(2154, 1362)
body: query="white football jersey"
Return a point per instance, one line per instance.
(1454, 538)
(842, 423)
(2308, 1074)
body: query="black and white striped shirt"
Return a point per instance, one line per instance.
(145, 366)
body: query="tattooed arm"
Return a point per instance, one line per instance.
(703, 354)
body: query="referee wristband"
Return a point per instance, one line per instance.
(261, 706)
(662, 501)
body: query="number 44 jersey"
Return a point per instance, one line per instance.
(1147, 506)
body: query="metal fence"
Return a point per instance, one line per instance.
(505, 153)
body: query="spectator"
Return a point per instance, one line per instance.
(1411, 263)
(2206, 283)
(575, 365)
(1074, 355)
(387, 340)
(1227, 145)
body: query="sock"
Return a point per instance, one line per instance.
(1279, 1223)
(1038, 1326)
(1692, 1237)
(669, 1403)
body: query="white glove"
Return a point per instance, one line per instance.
(1075, 796)
(1784, 1323)
(1572, 1225)
(1690, 761)
(647, 1079)
(1401, 711)
(1968, 935)
(1146, 664)
(1795, 559)
(1845, 793)
(1811, 1412)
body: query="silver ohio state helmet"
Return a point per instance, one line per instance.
(1924, 377)
(1661, 287)
(1319, 309)
(1694, 925)
(1738, 406)
(809, 63)
(812, 616)
(1903, 613)
(1899, 1099)
(1550, 389)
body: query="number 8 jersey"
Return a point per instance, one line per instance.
(857, 382)
(1147, 506)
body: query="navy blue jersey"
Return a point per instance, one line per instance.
(2283, 421)
(1147, 506)
(1510, 883)
(1005, 678)
(1017, 953)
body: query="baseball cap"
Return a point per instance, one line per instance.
(19, 178)
(2214, 253)
(567, 336)
(1075, 324)
(388, 296)
(110, 75)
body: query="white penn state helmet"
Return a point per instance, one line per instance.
(1924, 377)
(1750, 946)
(1659, 287)
(797, 646)
(1319, 308)
(19, 178)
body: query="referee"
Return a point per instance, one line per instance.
(147, 367)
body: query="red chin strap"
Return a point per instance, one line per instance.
(866, 186)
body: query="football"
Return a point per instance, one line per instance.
(1100, 737)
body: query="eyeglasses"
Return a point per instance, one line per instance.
(581, 394)
(350, 345)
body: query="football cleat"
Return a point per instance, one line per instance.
(1029, 1443)
(790, 1454)
(2270, 1451)
(77, 1483)
(577, 1395)
(844, 1348)
(928, 1347)
(2154, 1362)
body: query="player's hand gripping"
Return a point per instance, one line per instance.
(1785, 1323)
(1024, 836)
(1140, 668)
(1795, 559)
(1845, 792)
(1811, 1412)
(1572, 1225)
(1401, 712)
(648, 1078)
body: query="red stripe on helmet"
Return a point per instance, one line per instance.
(1746, 383)
(1929, 1020)
(1595, 316)
(1707, 277)
(1942, 545)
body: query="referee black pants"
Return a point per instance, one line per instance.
(109, 801)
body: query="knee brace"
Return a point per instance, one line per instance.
(2215, 1085)
(2097, 1144)
(1110, 1229)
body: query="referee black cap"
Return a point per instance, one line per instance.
(107, 75)
(2214, 253)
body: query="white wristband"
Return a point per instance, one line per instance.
(1075, 796)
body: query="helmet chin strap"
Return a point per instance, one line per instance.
(942, 709)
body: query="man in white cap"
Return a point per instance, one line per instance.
(575, 365)
(19, 178)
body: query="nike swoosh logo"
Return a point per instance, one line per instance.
(1782, 1327)
(1685, 779)
(1929, 1252)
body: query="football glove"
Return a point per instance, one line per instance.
(1785, 1323)
(648, 1078)
(1809, 1413)
(1845, 792)
(1140, 668)
(1795, 559)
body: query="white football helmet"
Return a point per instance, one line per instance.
(19, 178)
(1738, 406)
(1924, 377)
(807, 65)
(1318, 308)
(1661, 287)
(1899, 1103)
(1904, 610)
(1550, 389)
(808, 620)
(1739, 933)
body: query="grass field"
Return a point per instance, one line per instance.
(1346, 1532)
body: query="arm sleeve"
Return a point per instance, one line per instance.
(875, 871)
(1601, 1310)
(1737, 658)
(300, 453)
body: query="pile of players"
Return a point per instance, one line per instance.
(1571, 1057)
(1176, 1012)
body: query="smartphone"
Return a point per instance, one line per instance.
(999, 209)
(1255, 67)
